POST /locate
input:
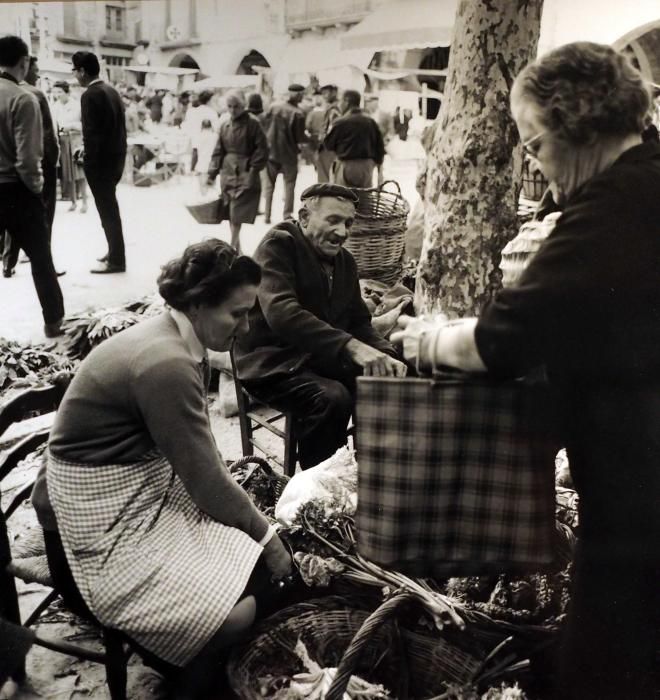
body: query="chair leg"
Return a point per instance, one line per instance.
(290, 446)
(115, 664)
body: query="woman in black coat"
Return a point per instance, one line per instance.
(588, 308)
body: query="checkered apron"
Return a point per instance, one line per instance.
(147, 561)
(455, 476)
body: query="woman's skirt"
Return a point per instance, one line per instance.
(72, 169)
(146, 560)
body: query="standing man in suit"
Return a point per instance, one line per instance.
(285, 130)
(22, 211)
(104, 140)
(51, 152)
(358, 143)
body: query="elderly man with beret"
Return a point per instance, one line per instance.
(284, 124)
(310, 331)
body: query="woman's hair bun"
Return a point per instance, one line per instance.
(205, 274)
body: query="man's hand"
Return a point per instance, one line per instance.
(277, 558)
(374, 363)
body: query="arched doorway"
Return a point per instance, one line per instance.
(253, 58)
(184, 60)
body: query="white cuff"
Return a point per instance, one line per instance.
(268, 536)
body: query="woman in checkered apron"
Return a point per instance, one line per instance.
(159, 538)
(588, 308)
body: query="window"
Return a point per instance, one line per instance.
(119, 19)
(108, 18)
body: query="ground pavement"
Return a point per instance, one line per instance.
(157, 227)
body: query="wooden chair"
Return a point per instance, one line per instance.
(115, 656)
(255, 415)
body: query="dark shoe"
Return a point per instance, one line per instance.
(104, 258)
(53, 330)
(7, 272)
(266, 220)
(108, 269)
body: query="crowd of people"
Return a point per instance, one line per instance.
(85, 136)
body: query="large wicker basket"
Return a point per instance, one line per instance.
(378, 235)
(337, 633)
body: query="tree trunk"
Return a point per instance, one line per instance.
(474, 167)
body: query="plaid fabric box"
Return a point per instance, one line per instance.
(455, 477)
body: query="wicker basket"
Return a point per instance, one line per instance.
(213, 212)
(378, 235)
(534, 183)
(339, 634)
(275, 481)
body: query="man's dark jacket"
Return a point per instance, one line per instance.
(295, 319)
(104, 127)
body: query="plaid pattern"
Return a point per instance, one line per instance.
(453, 479)
(147, 561)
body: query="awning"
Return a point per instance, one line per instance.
(163, 70)
(404, 24)
(226, 81)
(314, 55)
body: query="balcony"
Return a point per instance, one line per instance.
(305, 14)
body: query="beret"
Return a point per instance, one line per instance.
(296, 87)
(327, 189)
(329, 86)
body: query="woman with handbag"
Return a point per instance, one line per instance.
(162, 543)
(241, 152)
(588, 308)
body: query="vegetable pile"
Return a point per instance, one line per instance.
(23, 365)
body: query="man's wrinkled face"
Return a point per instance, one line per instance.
(328, 224)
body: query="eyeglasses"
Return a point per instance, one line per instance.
(533, 152)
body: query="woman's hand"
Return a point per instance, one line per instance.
(412, 336)
(277, 558)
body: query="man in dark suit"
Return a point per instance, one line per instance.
(22, 211)
(284, 124)
(358, 143)
(104, 141)
(51, 152)
(310, 331)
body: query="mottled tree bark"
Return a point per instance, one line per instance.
(474, 167)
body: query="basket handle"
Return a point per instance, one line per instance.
(259, 463)
(380, 187)
(352, 654)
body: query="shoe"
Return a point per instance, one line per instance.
(103, 258)
(266, 220)
(53, 330)
(60, 273)
(7, 272)
(72, 207)
(108, 269)
(83, 209)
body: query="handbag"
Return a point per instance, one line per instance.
(455, 475)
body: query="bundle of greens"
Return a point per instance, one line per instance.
(532, 599)
(90, 328)
(23, 365)
(329, 533)
(315, 681)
